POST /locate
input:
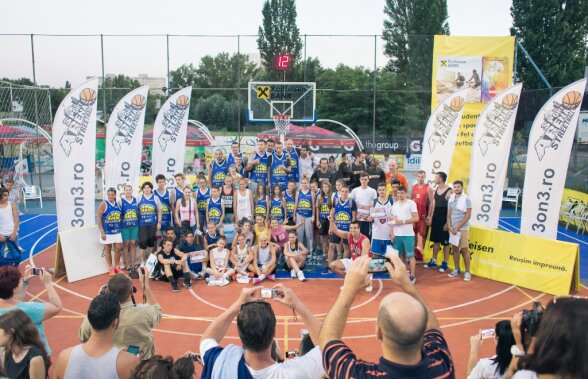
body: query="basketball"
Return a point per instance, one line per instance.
(138, 101)
(510, 101)
(571, 100)
(182, 102)
(457, 103)
(88, 96)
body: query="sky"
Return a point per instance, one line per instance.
(59, 58)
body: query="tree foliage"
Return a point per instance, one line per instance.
(555, 34)
(408, 36)
(279, 32)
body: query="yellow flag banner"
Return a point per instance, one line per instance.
(484, 66)
(539, 264)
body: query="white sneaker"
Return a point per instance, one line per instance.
(467, 277)
(301, 276)
(370, 288)
(292, 274)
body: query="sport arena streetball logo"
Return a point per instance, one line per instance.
(497, 121)
(214, 213)
(342, 217)
(444, 121)
(172, 121)
(304, 204)
(76, 119)
(127, 121)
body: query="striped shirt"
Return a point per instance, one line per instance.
(341, 363)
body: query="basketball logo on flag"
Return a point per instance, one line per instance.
(76, 119)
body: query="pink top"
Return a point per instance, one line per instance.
(279, 236)
(187, 212)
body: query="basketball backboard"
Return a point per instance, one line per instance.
(268, 99)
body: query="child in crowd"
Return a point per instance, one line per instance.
(261, 202)
(215, 210)
(219, 269)
(290, 201)
(173, 264)
(278, 204)
(242, 257)
(264, 259)
(260, 227)
(295, 254)
(211, 236)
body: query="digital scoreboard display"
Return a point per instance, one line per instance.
(282, 61)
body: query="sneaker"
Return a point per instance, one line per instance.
(412, 279)
(175, 287)
(112, 271)
(187, 285)
(432, 264)
(271, 277)
(467, 277)
(326, 271)
(257, 280)
(454, 273)
(370, 288)
(194, 276)
(443, 267)
(301, 276)
(292, 274)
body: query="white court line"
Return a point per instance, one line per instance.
(29, 219)
(36, 243)
(474, 301)
(563, 234)
(37, 231)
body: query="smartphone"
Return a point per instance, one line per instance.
(377, 265)
(291, 354)
(195, 357)
(269, 293)
(37, 271)
(133, 349)
(487, 333)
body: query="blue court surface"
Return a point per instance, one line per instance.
(39, 231)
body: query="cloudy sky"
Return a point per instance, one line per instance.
(58, 59)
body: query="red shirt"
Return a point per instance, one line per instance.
(421, 196)
(355, 246)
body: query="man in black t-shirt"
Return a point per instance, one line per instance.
(412, 343)
(376, 174)
(357, 167)
(322, 173)
(173, 264)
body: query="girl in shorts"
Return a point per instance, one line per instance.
(264, 259)
(149, 219)
(129, 226)
(219, 261)
(295, 254)
(109, 223)
(242, 257)
(324, 204)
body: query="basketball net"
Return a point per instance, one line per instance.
(282, 123)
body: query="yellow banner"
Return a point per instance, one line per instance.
(539, 264)
(482, 64)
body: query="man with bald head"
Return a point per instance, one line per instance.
(394, 174)
(408, 331)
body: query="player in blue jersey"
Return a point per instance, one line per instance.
(109, 222)
(257, 166)
(344, 211)
(277, 204)
(149, 219)
(129, 226)
(304, 212)
(279, 167)
(167, 207)
(293, 156)
(217, 169)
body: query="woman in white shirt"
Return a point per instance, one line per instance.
(495, 367)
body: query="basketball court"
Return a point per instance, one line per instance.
(462, 308)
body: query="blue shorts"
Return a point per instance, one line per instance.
(379, 246)
(405, 244)
(130, 234)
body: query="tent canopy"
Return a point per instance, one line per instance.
(310, 135)
(194, 137)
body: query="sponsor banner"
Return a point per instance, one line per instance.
(398, 145)
(124, 141)
(74, 149)
(169, 135)
(440, 135)
(522, 260)
(491, 144)
(548, 155)
(482, 66)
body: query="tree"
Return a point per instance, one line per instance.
(216, 112)
(408, 35)
(279, 32)
(555, 34)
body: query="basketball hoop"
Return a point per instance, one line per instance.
(282, 123)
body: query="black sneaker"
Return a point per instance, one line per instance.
(174, 286)
(326, 271)
(187, 285)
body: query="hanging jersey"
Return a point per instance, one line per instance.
(215, 210)
(147, 211)
(380, 227)
(244, 205)
(276, 210)
(130, 215)
(111, 218)
(343, 214)
(355, 246)
(294, 169)
(166, 216)
(261, 207)
(202, 200)
(304, 204)
(259, 172)
(277, 173)
(228, 200)
(290, 204)
(420, 195)
(219, 171)
(324, 209)
(211, 239)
